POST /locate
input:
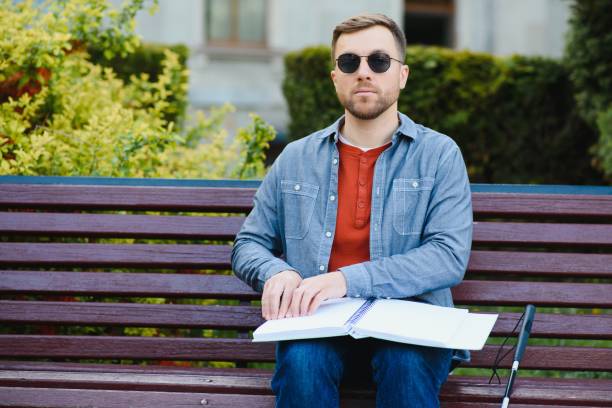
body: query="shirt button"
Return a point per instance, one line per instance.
(357, 296)
(362, 182)
(297, 187)
(361, 204)
(328, 234)
(335, 161)
(332, 198)
(415, 184)
(321, 268)
(364, 160)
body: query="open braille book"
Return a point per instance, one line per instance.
(388, 319)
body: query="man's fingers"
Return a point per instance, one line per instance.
(296, 298)
(285, 303)
(315, 303)
(275, 302)
(306, 299)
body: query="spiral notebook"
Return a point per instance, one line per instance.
(388, 319)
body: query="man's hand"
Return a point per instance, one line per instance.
(312, 291)
(277, 294)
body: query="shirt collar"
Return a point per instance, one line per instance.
(406, 128)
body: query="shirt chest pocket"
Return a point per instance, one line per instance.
(298, 205)
(410, 200)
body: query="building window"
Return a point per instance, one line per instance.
(429, 22)
(236, 23)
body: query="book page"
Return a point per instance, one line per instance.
(328, 321)
(411, 322)
(474, 332)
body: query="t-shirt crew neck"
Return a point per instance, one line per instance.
(363, 149)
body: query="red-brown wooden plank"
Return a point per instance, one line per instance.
(577, 265)
(542, 390)
(584, 326)
(125, 284)
(257, 381)
(156, 348)
(510, 293)
(218, 257)
(130, 314)
(542, 205)
(115, 255)
(110, 225)
(224, 199)
(69, 398)
(543, 234)
(557, 294)
(64, 398)
(182, 227)
(240, 200)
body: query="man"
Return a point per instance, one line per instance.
(372, 206)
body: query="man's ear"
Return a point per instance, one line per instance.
(332, 74)
(404, 74)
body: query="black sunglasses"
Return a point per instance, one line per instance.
(378, 62)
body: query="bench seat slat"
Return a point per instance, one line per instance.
(119, 226)
(218, 257)
(535, 357)
(469, 292)
(249, 317)
(205, 227)
(64, 398)
(457, 387)
(221, 199)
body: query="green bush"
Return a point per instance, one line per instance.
(148, 59)
(62, 114)
(587, 57)
(514, 118)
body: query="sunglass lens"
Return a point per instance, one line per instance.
(379, 62)
(348, 63)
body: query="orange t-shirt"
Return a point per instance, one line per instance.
(355, 174)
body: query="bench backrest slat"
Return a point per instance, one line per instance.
(115, 255)
(230, 199)
(225, 228)
(494, 263)
(469, 292)
(126, 198)
(553, 358)
(119, 226)
(249, 317)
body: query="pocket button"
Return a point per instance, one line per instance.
(297, 187)
(415, 184)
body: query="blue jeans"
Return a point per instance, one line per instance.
(310, 372)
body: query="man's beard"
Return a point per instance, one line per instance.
(381, 105)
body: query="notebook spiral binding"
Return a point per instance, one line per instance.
(363, 309)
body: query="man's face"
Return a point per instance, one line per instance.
(364, 93)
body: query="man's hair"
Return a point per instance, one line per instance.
(363, 21)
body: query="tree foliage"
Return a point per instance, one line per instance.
(62, 114)
(588, 58)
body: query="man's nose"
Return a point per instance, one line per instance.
(364, 70)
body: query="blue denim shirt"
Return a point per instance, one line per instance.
(420, 221)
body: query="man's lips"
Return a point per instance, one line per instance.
(364, 91)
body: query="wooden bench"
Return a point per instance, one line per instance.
(75, 252)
